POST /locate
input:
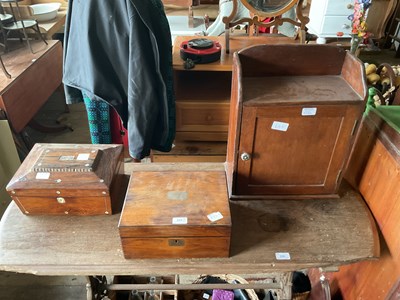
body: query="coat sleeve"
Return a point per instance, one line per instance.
(143, 106)
(72, 95)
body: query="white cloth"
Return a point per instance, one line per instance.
(225, 9)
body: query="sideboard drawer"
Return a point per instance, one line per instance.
(202, 116)
(334, 24)
(338, 7)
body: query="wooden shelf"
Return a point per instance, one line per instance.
(202, 85)
(298, 89)
(193, 152)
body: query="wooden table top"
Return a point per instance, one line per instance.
(315, 233)
(236, 43)
(20, 58)
(34, 77)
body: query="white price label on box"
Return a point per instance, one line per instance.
(215, 216)
(282, 255)
(83, 156)
(42, 175)
(179, 220)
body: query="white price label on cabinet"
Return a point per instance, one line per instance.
(309, 111)
(280, 126)
(179, 220)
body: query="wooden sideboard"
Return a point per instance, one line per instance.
(375, 170)
(203, 101)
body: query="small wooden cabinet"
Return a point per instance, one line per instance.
(294, 113)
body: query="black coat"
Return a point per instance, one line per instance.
(120, 51)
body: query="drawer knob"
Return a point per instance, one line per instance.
(245, 156)
(350, 6)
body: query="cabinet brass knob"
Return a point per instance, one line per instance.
(245, 156)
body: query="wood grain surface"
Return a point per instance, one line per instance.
(79, 179)
(34, 78)
(315, 233)
(374, 169)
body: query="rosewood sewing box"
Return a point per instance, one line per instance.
(59, 179)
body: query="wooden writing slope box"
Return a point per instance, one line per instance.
(176, 214)
(58, 179)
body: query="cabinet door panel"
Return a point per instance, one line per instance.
(290, 153)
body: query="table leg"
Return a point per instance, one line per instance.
(96, 288)
(3, 67)
(285, 293)
(21, 139)
(191, 17)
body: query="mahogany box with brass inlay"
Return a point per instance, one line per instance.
(176, 214)
(58, 179)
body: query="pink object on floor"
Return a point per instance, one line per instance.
(222, 295)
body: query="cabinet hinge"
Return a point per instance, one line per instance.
(354, 127)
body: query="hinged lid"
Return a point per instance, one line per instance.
(67, 169)
(176, 203)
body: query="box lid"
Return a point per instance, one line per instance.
(176, 203)
(74, 169)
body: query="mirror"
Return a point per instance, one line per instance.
(268, 8)
(277, 10)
